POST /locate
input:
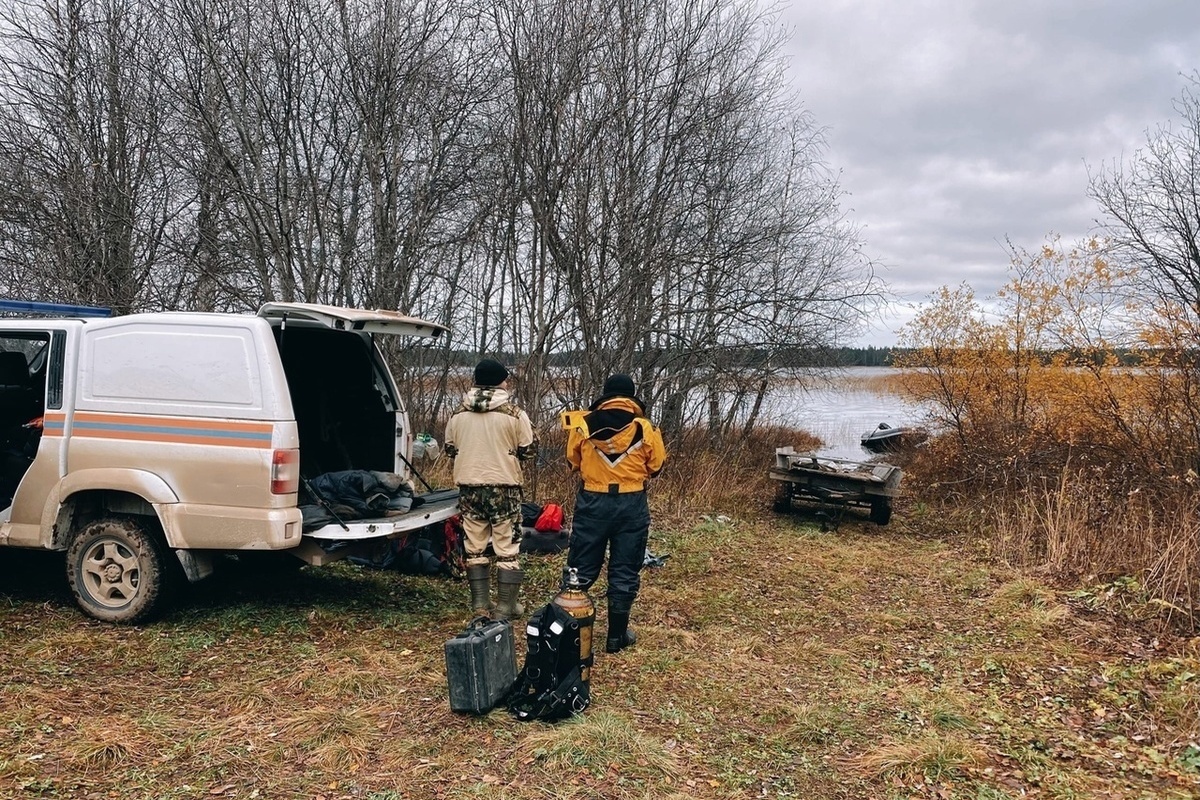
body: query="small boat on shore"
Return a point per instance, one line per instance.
(885, 438)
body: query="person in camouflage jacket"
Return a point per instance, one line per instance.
(488, 437)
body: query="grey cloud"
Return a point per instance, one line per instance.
(957, 124)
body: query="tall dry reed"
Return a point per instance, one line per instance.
(1079, 530)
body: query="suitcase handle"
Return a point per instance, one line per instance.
(479, 622)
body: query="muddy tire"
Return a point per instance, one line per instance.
(117, 570)
(881, 510)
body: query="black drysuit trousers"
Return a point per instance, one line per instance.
(620, 524)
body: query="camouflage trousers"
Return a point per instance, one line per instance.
(491, 513)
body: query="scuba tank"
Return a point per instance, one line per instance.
(578, 603)
(553, 684)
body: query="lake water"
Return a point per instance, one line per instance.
(840, 409)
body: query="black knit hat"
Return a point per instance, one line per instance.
(490, 372)
(619, 385)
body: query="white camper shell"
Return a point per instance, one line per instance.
(134, 441)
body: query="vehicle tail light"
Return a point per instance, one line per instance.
(285, 472)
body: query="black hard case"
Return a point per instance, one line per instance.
(481, 665)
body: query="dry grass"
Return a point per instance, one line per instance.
(602, 742)
(883, 382)
(1076, 531)
(773, 660)
(699, 475)
(1077, 515)
(933, 757)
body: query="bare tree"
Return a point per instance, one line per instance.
(1153, 208)
(1153, 225)
(87, 195)
(676, 195)
(583, 187)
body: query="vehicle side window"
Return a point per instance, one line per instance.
(54, 372)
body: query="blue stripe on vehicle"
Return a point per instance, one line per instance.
(223, 433)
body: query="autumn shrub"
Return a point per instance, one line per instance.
(1067, 452)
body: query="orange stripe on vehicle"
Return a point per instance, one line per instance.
(189, 422)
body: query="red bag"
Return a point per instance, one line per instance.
(551, 518)
(454, 546)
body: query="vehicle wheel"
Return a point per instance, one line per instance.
(117, 570)
(881, 510)
(783, 499)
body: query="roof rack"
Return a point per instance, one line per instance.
(52, 309)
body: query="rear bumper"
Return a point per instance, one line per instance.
(204, 527)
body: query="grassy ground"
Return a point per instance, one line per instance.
(774, 660)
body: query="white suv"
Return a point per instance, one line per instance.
(131, 442)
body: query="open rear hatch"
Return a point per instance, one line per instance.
(343, 408)
(354, 319)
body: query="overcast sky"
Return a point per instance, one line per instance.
(957, 123)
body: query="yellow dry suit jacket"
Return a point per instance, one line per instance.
(613, 447)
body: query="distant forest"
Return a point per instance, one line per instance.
(869, 356)
(788, 359)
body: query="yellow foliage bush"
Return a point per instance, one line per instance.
(1073, 411)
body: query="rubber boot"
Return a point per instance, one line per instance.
(619, 636)
(508, 587)
(479, 576)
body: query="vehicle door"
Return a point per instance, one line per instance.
(31, 403)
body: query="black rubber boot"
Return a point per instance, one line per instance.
(619, 635)
(479, 576)
(508, 587)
